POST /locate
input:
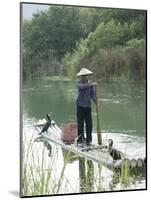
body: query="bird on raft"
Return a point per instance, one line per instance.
(46, 125)
(113, 152)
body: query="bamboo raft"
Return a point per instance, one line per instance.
(97, 153)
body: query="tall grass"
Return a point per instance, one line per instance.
(41, 175)
(38, 169)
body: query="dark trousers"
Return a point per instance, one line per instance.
(84, 116)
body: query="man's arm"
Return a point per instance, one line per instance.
(82, 86)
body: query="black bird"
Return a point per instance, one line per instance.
(46, 125)
(113, 152)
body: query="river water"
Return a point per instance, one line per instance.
(122, 109)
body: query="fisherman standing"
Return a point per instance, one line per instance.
(85, 94)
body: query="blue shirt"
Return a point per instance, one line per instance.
(85, 94)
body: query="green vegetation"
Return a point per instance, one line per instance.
(41, 174)
(61, 40)
(56, 78)
(38, 170)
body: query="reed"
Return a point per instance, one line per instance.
(37, 168)
(129, 173)
(41, 177)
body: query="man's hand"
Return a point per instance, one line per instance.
(94, 83)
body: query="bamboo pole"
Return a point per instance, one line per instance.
(99, 136)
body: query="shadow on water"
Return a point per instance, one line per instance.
(48, 146)
(86, 175)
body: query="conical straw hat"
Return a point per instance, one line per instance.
(84, 71)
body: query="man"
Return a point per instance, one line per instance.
(85, 94)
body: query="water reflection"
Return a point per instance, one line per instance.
(122, 106)
(86, 170)
(48, 146)
(71, 156)
(130, 172)
(90, 176)
(86, 175)
(45, 143)
(93, 177)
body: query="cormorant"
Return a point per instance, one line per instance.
(46, 125)
(113, 152)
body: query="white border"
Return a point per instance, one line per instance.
(9, 100)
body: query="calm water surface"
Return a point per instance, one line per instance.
(122, 106)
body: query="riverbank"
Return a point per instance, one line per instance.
(66, 78)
